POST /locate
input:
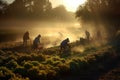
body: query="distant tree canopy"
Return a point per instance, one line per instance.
(38, 9)
(62, 13)
(3, 6)
(25, 7)
(105, 11)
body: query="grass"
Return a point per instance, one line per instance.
(47, 64)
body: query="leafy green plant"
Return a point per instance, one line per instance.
(23, 58)
(35, 63)
(18, 77)
(28, 65)
(5, 73)
(12, 64)
(21, 71)
(63, 68)
(36, 74)
(38, 57)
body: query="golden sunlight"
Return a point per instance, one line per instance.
(72, 5)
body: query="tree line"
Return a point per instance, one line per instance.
(41, 9)
(105, 12)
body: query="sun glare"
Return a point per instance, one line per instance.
(72, 5)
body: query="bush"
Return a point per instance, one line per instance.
(38, 57)
(53, 63)
(11, 64)
(18, 77)
(35, 63)
(5, 73)
(27, 65)
(74, 67)
(51, 74)
(64, 69)
(21, 71)
(23, 58)
(34, 74)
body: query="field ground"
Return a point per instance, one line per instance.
(94, 63)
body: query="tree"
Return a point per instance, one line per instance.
(29, 8)
(17, 8)
(3, 6)
(41, 6)
(37, 9)
(104, 12)
(29, 5)
(61, 13)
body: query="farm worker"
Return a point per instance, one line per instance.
(87, 35)
(64, 44)
(25, 38)
(36, 42)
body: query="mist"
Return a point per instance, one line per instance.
(52, 32)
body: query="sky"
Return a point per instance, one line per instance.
(71, 5)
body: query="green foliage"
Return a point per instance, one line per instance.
(34, 66)
(99, 8)
(38, 57)
(3, 5)
(74, 66)
(23, 58)
(34, 9)
(19, 78)
(101, 12)
(5, 73)
(78, 66)
(55, 60)
(34, 63)
(27, 65)
(11, 64)
(38, 74)
(51, 74)
(84, 14)
(31, 57)
(30, 64)
(63, 68)
(21, 71)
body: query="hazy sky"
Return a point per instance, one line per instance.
(71, 5)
